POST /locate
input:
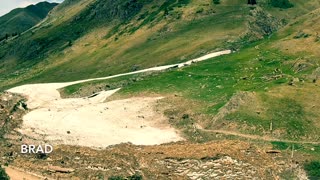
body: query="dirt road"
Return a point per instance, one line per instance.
(17, 174)
(256, 137)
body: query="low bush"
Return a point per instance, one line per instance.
(216, 1)
(3, 174)
(284, 4)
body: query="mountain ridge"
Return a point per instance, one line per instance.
(21, 19)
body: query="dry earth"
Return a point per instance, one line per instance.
(86, 122)
(16, 174)
(181, 160)
(213, 160)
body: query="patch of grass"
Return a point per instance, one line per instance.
(72, 89)
(284, 4)
(88, 88)
(313, 169)
(3, 174)
(280, 145)
(216, 1)
(288, 114)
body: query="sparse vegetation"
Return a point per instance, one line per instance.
(133, 177)
(301, 34)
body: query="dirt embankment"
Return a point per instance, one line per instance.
(12, 108)
(184, 160)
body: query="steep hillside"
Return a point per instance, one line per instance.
(82, 39)
(251, 113)
(267, 88)
(22, 19)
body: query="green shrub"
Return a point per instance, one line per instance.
(115, 178)
(280, 145)
(284, 4)
(3, 175)
(301, 34)
(313, 169)
(133, 177)
(216, 1)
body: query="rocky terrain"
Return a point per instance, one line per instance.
(226, 159)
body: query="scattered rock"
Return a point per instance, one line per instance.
(55, 169)
(295, 80)
(273, 151)
(185, 116)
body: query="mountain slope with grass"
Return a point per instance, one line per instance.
(267, 89)
(255, 90)
(82, 39)
(22, 19)
(264, 96)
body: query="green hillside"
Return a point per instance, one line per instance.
(82, 39)
(268, 87)
(265, 93)
(22, 19)
(268, 73)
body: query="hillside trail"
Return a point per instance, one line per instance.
(256, 137)
(19, 174)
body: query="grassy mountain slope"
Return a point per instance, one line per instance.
(98, 38)
(21, 19)
(267, 88)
